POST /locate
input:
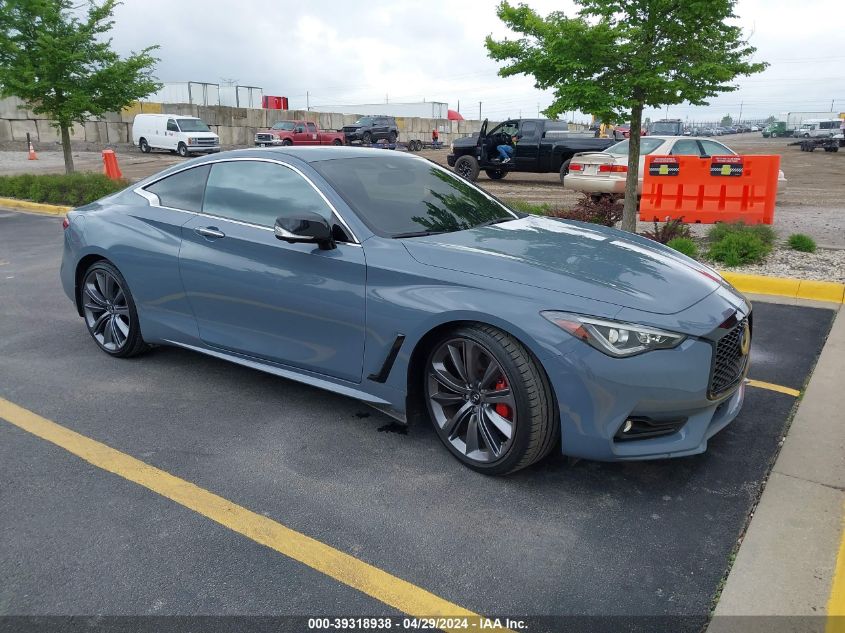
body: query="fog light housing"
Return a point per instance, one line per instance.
(640, 428)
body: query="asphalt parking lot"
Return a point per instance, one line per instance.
(558, 539)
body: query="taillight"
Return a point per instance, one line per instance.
(576, 167)
(65, 223)
(614, 169)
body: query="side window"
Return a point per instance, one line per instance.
(712, 148)
(299, 128)
(685, 147)
(259, 192)
(171, 126)
(183, 190)
(312, 128)
(529, 129)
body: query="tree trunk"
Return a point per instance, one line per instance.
(629, 211)
(66, 148)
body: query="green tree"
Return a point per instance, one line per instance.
(726, 121)
(616, 57)
(770, 119)
(62, 65)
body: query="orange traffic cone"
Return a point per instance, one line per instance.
(110, 167)
(32, 154)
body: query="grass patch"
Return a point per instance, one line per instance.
(736, 249)
(528, 207)
(721, 230)
(803, 243)
(66, 189)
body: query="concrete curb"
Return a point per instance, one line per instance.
(792, 559)
(783, 287)
(34, 207)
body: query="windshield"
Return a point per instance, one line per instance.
(397, 197)
(364, 120)
(283, 125)
(647, 146)
(192, 125)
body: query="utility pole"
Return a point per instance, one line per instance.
(459, 105)
(385, 98)
(307, 100)
(538, 111)
(479, 110)
(741, 103)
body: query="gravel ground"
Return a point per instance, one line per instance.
(823, 265)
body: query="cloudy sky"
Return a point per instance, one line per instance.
(344, 53)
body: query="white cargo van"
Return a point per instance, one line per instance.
(182, 134)
(818, 128)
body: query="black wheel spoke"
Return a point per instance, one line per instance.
(464, 386)
(106, 310)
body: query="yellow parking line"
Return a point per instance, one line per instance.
(393, 591)
(773, 387)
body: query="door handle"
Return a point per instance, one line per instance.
(209, 232)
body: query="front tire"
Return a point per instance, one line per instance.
(109, 311)
(287, 142)
(182, 150)
(489, 400)
(467, 167)
(366, 138)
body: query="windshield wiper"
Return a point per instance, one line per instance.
(417, 234)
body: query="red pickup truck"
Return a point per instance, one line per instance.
(297, 133)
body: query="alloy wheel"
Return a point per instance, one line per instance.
(106, 310)
(471, 400)
(464, 169)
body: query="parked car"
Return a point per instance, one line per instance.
(297, 133)
(544, 146)
(184, 135)
(606, 172)
(385, 277)
(754, 128)
(369, 129)
(818, 128)
(778, 128)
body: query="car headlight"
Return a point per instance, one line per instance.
(191, 140)
(614, 338)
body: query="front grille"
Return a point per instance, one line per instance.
(350, 129)
(729, 361)
(264, 137)
(206, 141)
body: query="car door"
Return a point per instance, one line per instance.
(526, 154)
(171, 135)
(311, 130)
(301, 135)
(258, 296)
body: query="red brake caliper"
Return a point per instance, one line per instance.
(501, 408)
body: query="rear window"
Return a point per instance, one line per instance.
(647, 146)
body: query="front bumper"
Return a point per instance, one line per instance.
(203, 149)
(354, 136)
(450, 160)
(268, 143)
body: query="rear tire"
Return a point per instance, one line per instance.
(366, 138)
(467, 167)
(564, 170)
(495, 174)
(391, 138)
(337, 141)
(109, 311)
(144, 146)
(489, 400)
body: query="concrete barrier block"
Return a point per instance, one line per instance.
(96, 132)
(324, 120)
(337, 121)
(256, 118)
(117, 132)
(5, 130)
(225, 133)
(349, 119)
(20, 127)
(12, 108)
(208, 114)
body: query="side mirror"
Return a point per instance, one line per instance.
(305, 226)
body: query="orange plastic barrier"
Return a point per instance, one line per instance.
(708, 190)
(110, 167)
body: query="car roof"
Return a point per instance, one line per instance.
(318, 153)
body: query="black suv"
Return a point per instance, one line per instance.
(369, 129)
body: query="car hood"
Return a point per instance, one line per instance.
(574, 258)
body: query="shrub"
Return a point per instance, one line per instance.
(721, 230)
(684, 245)
(67, 189)
(605, 210)
(673, 229)
(803, 243)
(737, 248)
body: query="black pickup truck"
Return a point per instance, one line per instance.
(544, 146)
